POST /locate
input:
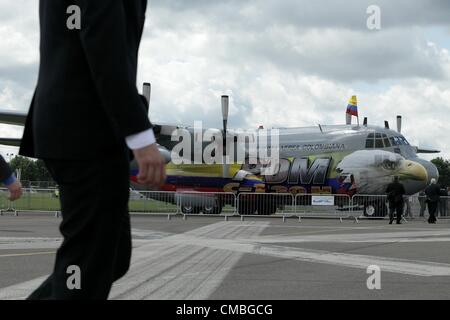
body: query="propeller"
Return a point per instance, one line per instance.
(225, 109)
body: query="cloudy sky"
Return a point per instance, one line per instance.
(283, 62)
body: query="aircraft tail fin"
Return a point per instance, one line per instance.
(352, 109)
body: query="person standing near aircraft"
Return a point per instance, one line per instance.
(423, 203)
(8, 178)
(85, 116)
(395, 192)
(443, 202)
(408, 211)
(433, 196)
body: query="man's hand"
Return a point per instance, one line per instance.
(151, 164)
(15, 190)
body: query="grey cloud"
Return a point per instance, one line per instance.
(305, 13)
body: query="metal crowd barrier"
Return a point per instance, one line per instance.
(152, 201)
(44, 200)
(265, 203)
(416, 207)
(301, 205)
(323, 205)
(371, 206)
(206, 202)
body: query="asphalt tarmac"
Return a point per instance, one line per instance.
(259, 258)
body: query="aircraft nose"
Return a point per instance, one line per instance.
(414, 171)
(432, 171)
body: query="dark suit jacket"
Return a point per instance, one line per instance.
(395, 192)
(433, 192)
(86, 101)
(5, 170)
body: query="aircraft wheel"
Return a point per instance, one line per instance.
(214, 209)
(375, 210)
(189, 209)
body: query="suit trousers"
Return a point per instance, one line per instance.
(432, 208)
(398, 209)
(95, 227)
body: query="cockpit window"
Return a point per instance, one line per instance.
(381, 140)
(405, 142)
(370, 142)
(392, 141)
(379, 143)
(387, 144)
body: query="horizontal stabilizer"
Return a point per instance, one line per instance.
(15, 118)
(424, 150)
(15, 142)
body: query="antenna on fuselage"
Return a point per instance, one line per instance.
(399, 124)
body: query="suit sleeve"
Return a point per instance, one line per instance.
(104, 40)
(5, 170)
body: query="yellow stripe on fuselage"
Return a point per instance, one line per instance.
(200, 170)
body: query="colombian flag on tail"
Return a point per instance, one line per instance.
(352, 107)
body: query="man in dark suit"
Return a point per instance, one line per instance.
(85, 115)
(8, 178)
(433, 197)
(395, 192)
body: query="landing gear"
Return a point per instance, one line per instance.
(213, 209)
(190, 209)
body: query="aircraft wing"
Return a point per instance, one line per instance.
(163, 132)
(14, 142)
(15, 118)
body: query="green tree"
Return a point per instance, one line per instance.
(30, 170)
(42, 172)
(27, 168)
(443, 167)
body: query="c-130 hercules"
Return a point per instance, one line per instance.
(337, 159)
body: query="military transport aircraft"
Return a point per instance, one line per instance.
(324, 159)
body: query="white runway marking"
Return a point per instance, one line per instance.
(171, 268)
(193, 264)
(400, 236)
(22, 290)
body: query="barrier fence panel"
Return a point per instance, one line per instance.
(206, 202)
(416, 207)
(443, 207)
(323, 205)
(5, 203)
(265, 203)
(152, 201)
(371, 206)
(38, 184)
(38, 200)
